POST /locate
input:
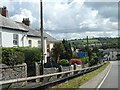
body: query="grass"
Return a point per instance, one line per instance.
(91, 40)
(77, 82)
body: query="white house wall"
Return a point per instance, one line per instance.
(45, 50)
(7, 38)
(51, 46)
(34, 41)
(35, 44)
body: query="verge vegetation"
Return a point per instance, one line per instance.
(77, 82)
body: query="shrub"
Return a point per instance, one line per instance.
(64, 62)
(84, 60)
(18, 55)
(94, 61)
(75, 60)
(31, 54)
(10, 57)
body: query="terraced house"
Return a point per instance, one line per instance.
(20, 34)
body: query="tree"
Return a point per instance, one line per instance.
(58, 48)
(61, 51)
(68, 51)
(95, 50)
(98, 52)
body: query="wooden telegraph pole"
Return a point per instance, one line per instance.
(41, 29)
(88, 52)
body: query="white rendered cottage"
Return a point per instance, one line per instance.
(12, 33)
(17, 34)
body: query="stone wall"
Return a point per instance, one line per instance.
(54, 70)
(20, 71)
(50, 71)
(65, 68)
(8, 73)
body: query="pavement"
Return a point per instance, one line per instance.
(95, 81)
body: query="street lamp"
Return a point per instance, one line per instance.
(41, 29)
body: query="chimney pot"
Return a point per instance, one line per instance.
(26, 21)
(4, 11)
(4, 7)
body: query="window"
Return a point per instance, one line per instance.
(15, 39)
(30, 43)
(39, 43)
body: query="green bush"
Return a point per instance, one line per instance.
(18, 55)
(84, 60)
(94, 61)
(32, 54)
(64, 62)
(12, 57)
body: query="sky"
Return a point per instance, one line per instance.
(68, 19)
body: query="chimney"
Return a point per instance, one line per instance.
(26, 21)
(4, 11)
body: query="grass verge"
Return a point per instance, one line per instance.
(78, 81)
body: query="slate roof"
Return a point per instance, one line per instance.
(49, 37)
(10, 24)
(37, 33)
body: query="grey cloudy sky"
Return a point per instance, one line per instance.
(68, 19)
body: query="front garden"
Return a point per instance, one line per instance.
(61, 54)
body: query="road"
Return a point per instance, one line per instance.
(111, 80)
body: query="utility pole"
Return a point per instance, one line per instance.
(42, 38)
(87, 42)
(88, 52)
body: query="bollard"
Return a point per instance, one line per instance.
(71, 68)
(25, 72)
(75, 67)
(59, 70)
(37, 67)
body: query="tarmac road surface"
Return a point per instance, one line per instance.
(111, 80)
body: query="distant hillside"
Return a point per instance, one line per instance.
(104, 42)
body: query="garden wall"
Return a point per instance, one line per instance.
(54, 70)
(8, 73)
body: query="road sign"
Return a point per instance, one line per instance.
(82, 54)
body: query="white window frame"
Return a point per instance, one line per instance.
(30, 43)
(39, 43)
(15, 39)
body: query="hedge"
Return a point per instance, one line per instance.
(64, 62)
(18, 55)
(12, 57)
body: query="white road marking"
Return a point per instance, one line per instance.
(104, 78)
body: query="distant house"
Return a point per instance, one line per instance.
(20, 34)
(95, 44)
(114, 54)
